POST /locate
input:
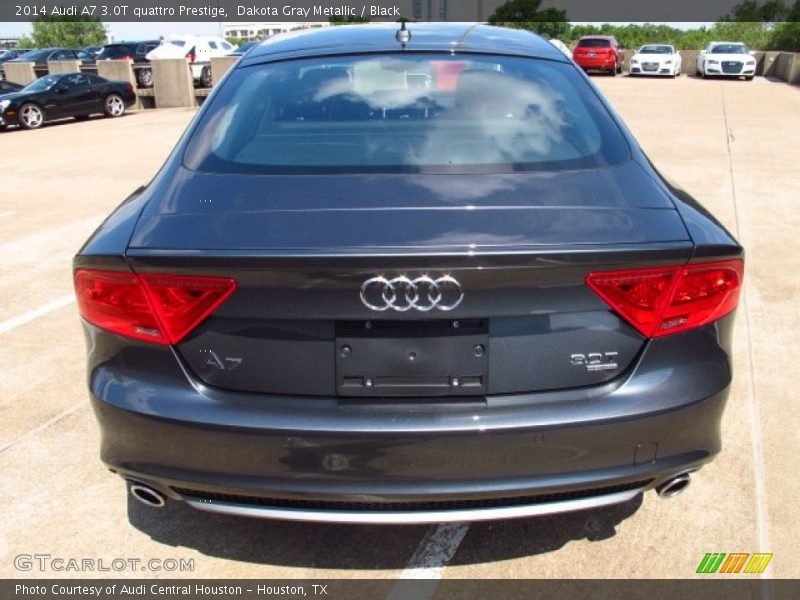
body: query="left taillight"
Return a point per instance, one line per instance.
(161, 309)
(668, 300)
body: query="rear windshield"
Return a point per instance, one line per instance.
(117, 51)
(594, 43)
(656, 50)
(404, 113)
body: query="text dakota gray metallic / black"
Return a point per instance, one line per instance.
(407, 277)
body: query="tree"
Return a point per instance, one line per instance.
(752, 11)
(525, 14)
(67, 32)
(347, 20)
(25, 42)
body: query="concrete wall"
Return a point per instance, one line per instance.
(118, 70)
(21, 72)
(173, 83)
(64, 66)
(220, 66)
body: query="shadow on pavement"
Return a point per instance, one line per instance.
(323, 546)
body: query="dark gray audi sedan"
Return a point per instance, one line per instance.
(407, 276)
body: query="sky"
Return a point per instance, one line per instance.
(133, 31)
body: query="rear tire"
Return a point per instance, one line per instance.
(31, 116)
(749, 78)
(613, 72)
(144, 77)
(205, 77)
(113, 106)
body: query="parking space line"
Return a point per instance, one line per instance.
(46, 424)
(437, 547)
(35, 313)
(753, 403)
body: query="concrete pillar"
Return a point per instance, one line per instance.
(19, 72)
(794, 69)
(689, 61)
(767, 66)
(172, 83)
(118, 70)
(220, 66)
(64, 66)
(783, 66)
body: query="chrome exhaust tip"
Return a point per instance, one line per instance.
(148, 496)
(673, 487)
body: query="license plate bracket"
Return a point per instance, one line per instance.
(403, 359)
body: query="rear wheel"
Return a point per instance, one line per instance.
(613, 71)
(144, 77)
(749, 78)
(205, 77)
(114, 106)
(31, 116)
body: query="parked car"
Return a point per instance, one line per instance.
(7, 87)
(41, 58)
(344, 298)
(13, 53)
(198, 50)
(64, 95)
(598, 53)
(136, 52)
(93, 50)
(656, 59)
(726, 59)
(562, 46)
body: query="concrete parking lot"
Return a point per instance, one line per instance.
(733, 144)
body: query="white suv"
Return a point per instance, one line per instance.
(198, 50)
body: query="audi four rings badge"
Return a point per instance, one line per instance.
(402, 293)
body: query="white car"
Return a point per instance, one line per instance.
(656, 59)
(198, 50)
(726, 59)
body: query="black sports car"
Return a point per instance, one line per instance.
(65, 95)
(415, 275)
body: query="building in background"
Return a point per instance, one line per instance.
(261, 31)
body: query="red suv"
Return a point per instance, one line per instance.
(598, 53)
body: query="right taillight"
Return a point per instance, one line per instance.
(161, 309)
(667, 300)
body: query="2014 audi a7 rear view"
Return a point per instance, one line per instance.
(406, 279)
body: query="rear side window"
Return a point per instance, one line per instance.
(115, 52)
(405, 113)
(594, 43)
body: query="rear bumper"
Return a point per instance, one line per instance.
(596, 63)
(372, 461)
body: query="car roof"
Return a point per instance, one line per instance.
(597, 36)
(425, 37)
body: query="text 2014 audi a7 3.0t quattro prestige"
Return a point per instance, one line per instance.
(398, 276)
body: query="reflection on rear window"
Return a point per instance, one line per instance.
(405, 113)
(594, 44)
(113, 52)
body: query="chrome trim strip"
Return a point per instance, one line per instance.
(411, 517)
